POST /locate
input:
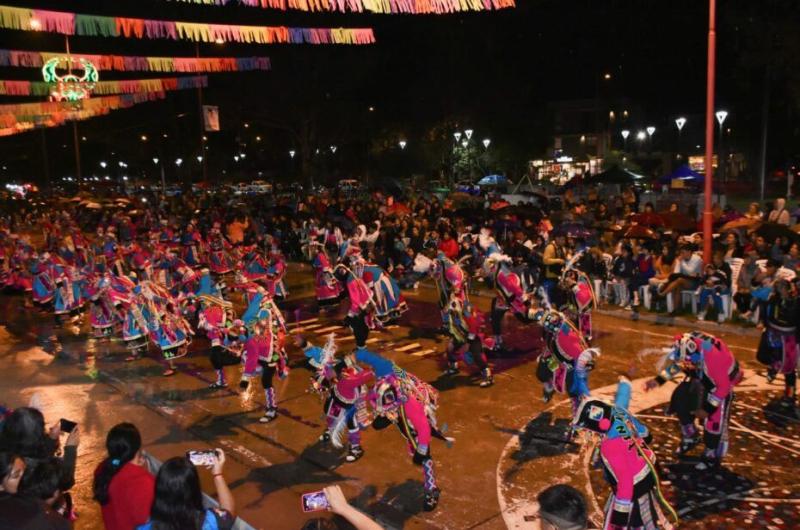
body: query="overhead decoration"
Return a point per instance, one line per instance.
(21, 117)
(413, 7)
(128, 63)
(69, 86)
(128, 86)
(101, 26)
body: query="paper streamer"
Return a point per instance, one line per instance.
(67, 23)
(129, 63)
(412, 7)
(128, 86)
(15, 119)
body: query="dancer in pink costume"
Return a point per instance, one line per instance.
(582, 296)
(510, 294)
(706, 394)
(327, 289)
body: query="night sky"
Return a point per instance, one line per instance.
(492, 71)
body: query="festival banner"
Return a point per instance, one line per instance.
(128, 86)
(211, 118)
(409, 7)
(128, 63)
(65, 23)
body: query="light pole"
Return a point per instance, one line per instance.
(163, 178)
(625, 134)
(680, 123)
(486, 142)
(721, 116)
(710, 82)
(402, 144)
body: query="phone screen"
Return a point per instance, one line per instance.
(315, 501)
(202, 458)
(67, 426)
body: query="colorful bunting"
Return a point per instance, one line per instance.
(102, 26)
(414, 7)
(127, 63)
(19, 118)
(130, 86)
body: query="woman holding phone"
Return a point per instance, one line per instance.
(178, 500)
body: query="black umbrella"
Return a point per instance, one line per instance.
(772, 231)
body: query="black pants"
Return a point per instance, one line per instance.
(359, 326)
(475, 351)
(743, 301)
(497, 318)
(267, 374)
(220, 357)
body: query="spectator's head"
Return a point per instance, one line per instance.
(562, 507)
(123, 444)
(178, 499)
(750, 253)
(685, 252)
(11, 469)
(772, 266)
(41, 481)
(23, 434)
(719, 259)
(794, 251)
(782, 288)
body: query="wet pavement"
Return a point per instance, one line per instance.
(508, 442)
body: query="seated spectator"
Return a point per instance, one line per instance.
(792, 259)
(11, 469)
(779, 213)
(178, 500)
(685, 275)
(716, 282)
(622, 270)
(754, 211)
(762, 283)
(24, 434)
(32, 508)
(662, 267)
(562, 507)
(448, 245)
(642, 273)
(744, 282)
(731, 246)
(122, 484)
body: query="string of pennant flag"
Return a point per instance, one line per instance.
(129, 63)
(128, 86)
(415, 7)
(25, 116)
(66, 23)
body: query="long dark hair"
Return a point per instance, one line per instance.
(178, 501)
(23, 434)
(122, 443)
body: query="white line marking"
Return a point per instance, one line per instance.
(328, 329)
(407, 347)
(301, 322)
(422, 353)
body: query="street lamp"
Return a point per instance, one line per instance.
(235, 158)
(721, 116)
(143, 137)
(486, 143)
(103, 165)
(199, 158)
(402, 144)
(333, 149)
(464, 143)
(457, 136)
(680, 122)
(650, 131)
(292, 152)
(641, 136)
(625, 134)
(468, 133)
(178, 162)
(155, 161)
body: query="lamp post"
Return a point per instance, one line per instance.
(680, 123)
(625, 134)
(486, 142)
(721, 115)
(709, 155)
(402, 144)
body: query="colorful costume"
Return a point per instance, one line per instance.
(465, 326)
(341, 382)
(389, 301)
(565, 364)
(510, 294)
(628, 464)
(360, 314)
(711, 374)
(219, 257)
(264, 352)
(778, 348)
(401, 398)
(327, 289)
(582, 298)
(451, 284)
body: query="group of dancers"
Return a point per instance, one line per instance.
(173, 286)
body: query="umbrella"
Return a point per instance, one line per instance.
(647, 219)
(572, 230)
(678, 221)
(92, 206)
(742, 222)
(640, 232)
(615, 175)
(772, 231)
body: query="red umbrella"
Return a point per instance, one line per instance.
(678, 221)
(647, 219)
(640, 232)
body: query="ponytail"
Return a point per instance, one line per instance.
(122, 443)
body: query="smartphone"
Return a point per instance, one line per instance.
(315, 501)
(67, 426)
(202, 458)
